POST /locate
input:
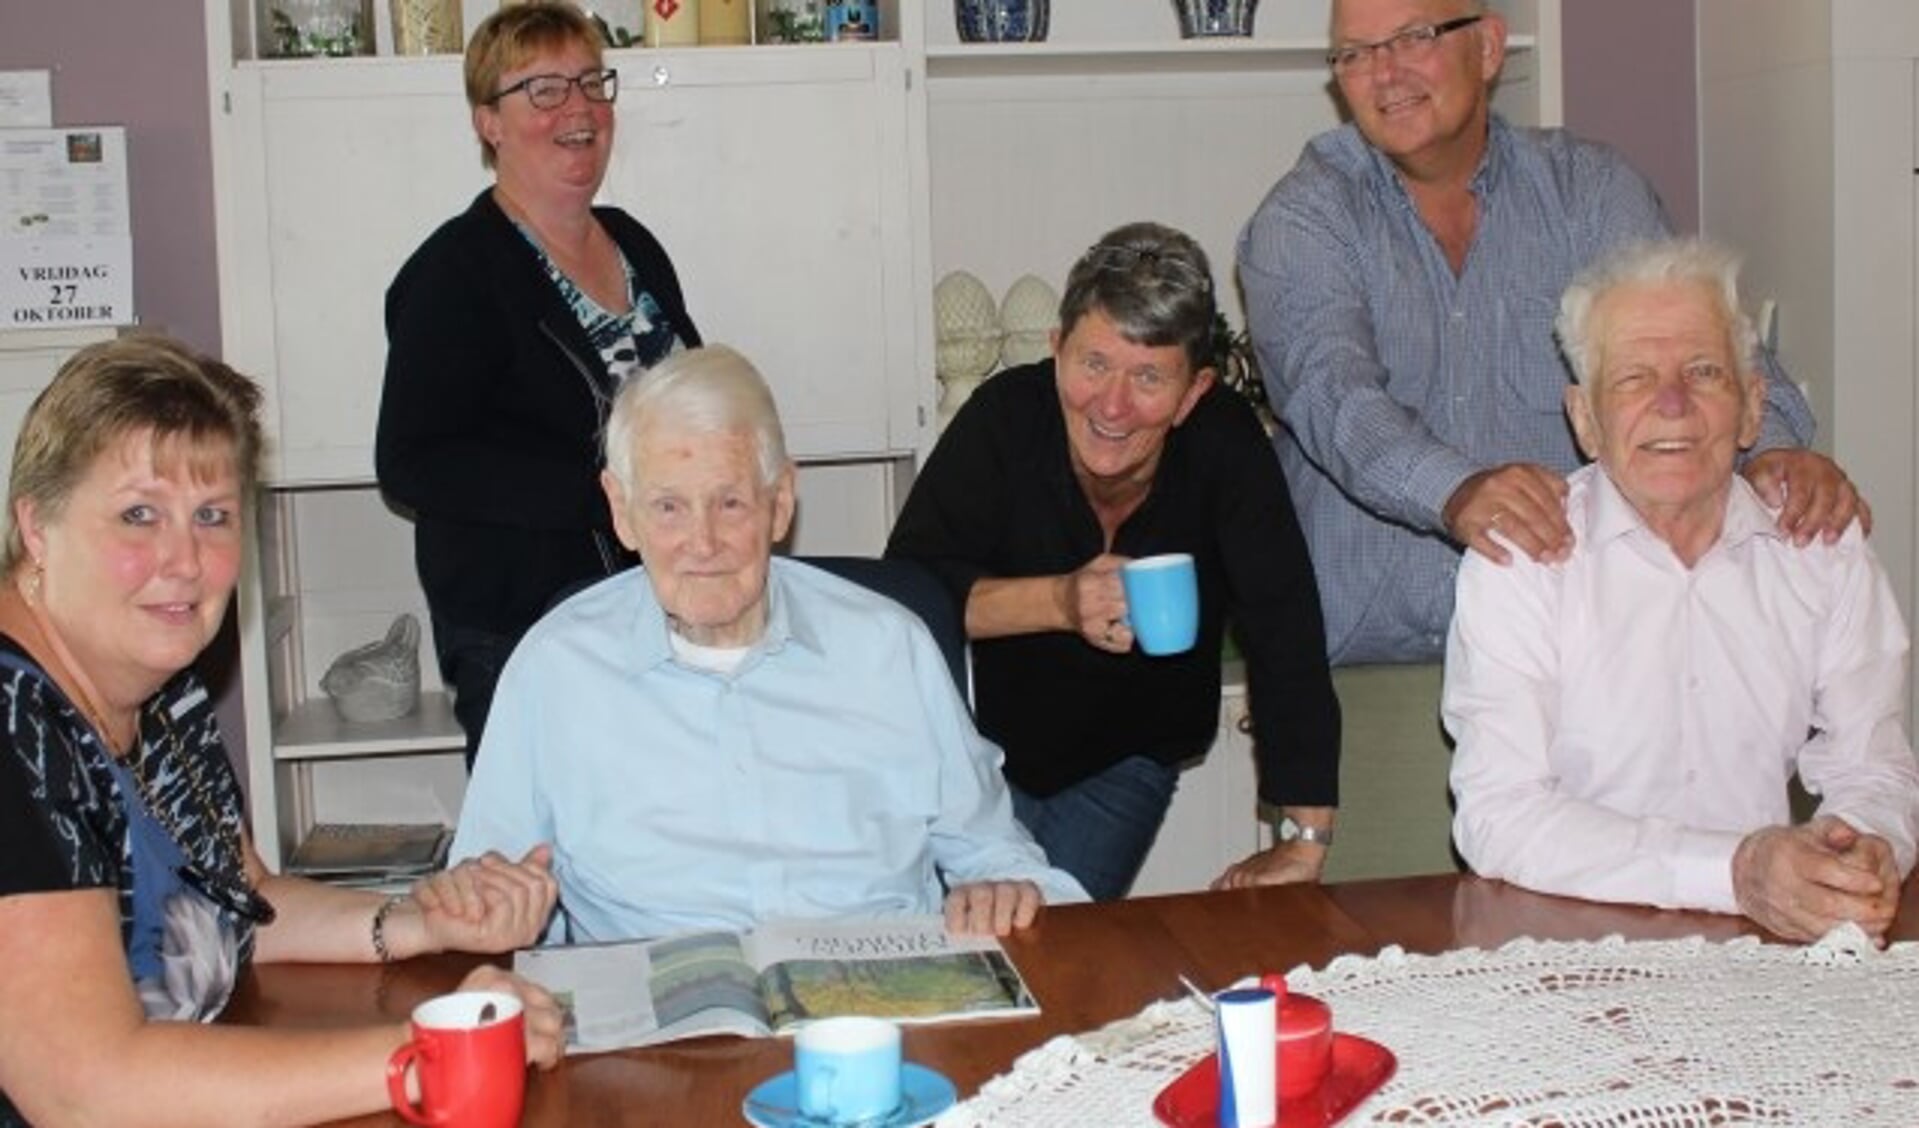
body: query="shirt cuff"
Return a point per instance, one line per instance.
(1702, 871)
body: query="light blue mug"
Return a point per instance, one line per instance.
(848, 1070)
(1162, 602)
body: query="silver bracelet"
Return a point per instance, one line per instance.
(379, 926)
(1286, 830)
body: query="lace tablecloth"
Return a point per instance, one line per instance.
(1604, 1034)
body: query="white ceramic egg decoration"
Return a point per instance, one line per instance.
(1029, 313)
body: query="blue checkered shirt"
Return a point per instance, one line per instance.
(1397, 379)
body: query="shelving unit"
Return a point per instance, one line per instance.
(810, 196)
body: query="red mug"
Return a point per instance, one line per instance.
(1305, 1039)
(469, 1052)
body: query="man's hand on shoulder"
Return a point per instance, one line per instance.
(992, 907)
(1798, 882)
(1813, 495)
(1523, 502)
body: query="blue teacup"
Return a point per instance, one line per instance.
(1162, 602)
(848, 1070)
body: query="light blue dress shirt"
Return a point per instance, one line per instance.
(1397, 379)
(835, 772)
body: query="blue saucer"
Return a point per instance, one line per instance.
(924, 1094)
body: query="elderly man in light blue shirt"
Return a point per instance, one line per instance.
(720, 738)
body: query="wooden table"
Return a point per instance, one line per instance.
(1088, 965)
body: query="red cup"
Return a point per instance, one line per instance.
(469, 1051)
(1305, 1039)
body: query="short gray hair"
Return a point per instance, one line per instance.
(1663, 260)
(1153, 282)
(703, 391)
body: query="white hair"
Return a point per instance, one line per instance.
(1666, 260)
(703, 391)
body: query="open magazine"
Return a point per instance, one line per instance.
(639, 992)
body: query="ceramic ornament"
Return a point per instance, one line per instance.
(1029, 313)
(967, 338)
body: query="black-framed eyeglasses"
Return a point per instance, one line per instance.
(551, 91)
(1160, 265)
(1404, 46)
(237, 897)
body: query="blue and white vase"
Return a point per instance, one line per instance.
(1215, 17)
(1002, 21)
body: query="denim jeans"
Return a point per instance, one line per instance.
(1101, 828)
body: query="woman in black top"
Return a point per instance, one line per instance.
(1052, 476)
(508, 332)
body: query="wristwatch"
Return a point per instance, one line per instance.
(1286, 830)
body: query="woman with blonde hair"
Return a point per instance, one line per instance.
(130, 893)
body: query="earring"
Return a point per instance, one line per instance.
(34, 580)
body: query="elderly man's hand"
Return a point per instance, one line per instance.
(488, 904)
(1799, 882)
(1093, 603)
(992, 907)
(1523, 502)
(1814, 496)
(1285, 864)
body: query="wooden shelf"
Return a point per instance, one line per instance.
(314, 730)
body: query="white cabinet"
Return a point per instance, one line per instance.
(810, 196)
(1809, 165)
(28, 360)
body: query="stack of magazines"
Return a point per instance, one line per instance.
(374, 855)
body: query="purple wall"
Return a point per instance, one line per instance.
(142, 65)
(1629, 80)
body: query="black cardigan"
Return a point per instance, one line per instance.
(490, 426)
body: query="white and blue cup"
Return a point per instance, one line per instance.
(1162, 602)
(1248, 1019)
(847, 1070)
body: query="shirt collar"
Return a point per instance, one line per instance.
(1610, 516)
(787, 620)
(1485, 177)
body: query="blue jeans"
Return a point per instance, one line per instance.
(1100, 829)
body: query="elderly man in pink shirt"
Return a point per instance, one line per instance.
(1628, 719)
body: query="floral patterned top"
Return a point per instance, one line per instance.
(161, 828)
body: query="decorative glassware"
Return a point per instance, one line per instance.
(291, 29)
(1215, 17)
(789, 21)
(622, 23)
(1002, 21)
(427, 27)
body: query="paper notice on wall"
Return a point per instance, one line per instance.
(66, 246)
(26, 98)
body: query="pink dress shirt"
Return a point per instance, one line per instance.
(1622, 721)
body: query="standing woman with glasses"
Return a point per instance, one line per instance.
(1053, 475)
(508, 332)
(130, 894)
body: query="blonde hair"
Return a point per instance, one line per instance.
(204, 411)
(514, 34)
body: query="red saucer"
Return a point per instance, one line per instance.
(1359, 1067)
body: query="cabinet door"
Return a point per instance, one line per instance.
(775, 177)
